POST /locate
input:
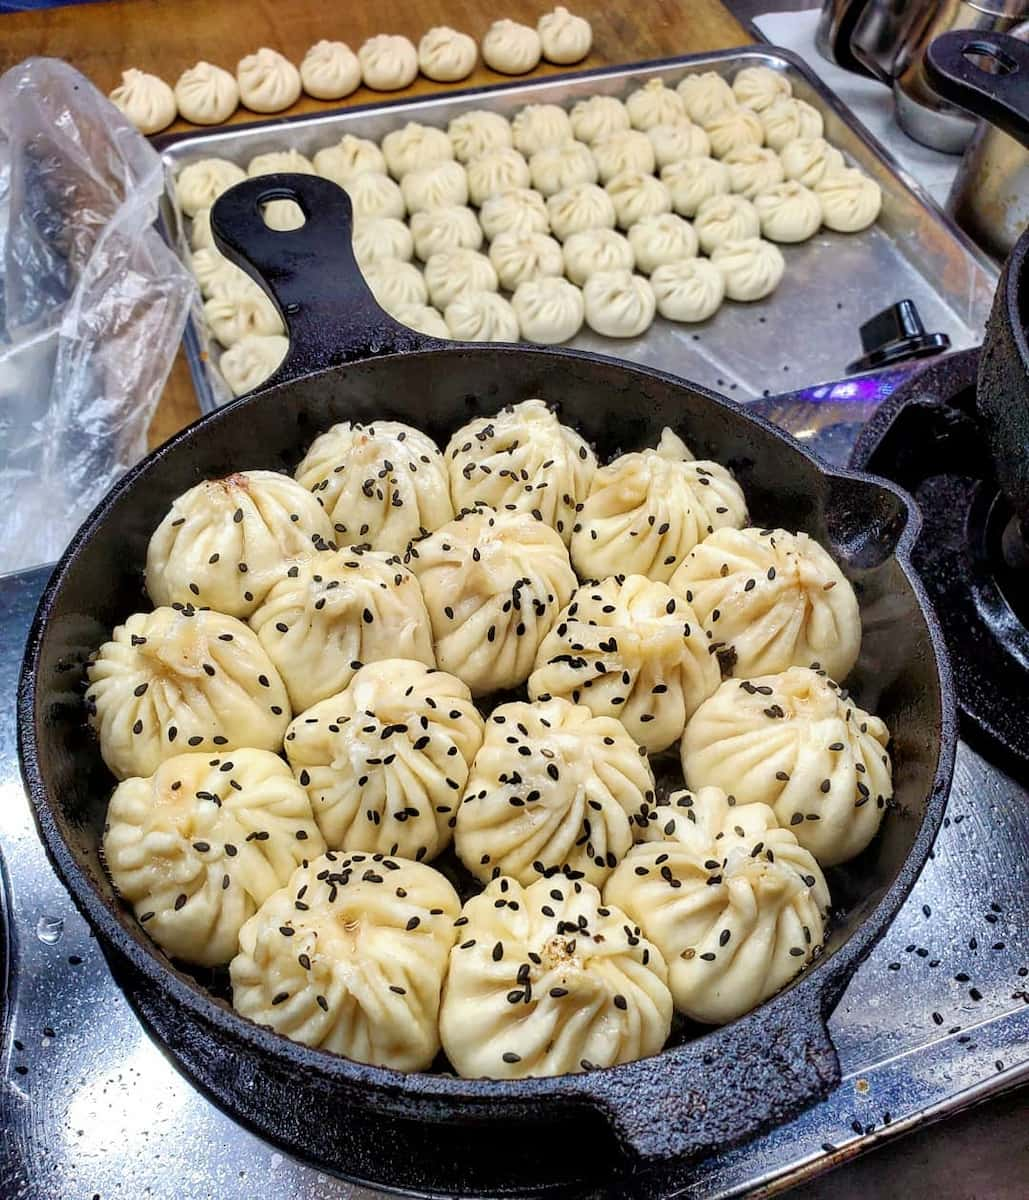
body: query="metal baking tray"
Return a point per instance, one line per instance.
(936, 1020)
(805, 332)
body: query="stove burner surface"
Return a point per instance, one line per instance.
(970, 555)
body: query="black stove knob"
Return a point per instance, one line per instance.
(896, 334)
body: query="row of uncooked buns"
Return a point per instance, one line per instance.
(399, 761)
(267, 82)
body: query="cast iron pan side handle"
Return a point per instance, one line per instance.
(724, 1088)
(1002, 95)
(311, 273)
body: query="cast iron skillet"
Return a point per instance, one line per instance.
(630, 1129)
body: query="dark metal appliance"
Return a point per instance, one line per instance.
(957, 436)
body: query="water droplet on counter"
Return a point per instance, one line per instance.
(49, 929)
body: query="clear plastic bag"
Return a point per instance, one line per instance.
(92, 304)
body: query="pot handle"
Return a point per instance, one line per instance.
(1000, 95)
(726, 1087)
(310, 273)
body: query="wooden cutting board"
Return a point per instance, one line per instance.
(167, 36)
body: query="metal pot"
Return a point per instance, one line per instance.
(990, 196)
(630, 1128)
(888, 40)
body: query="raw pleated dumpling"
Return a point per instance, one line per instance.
(385, 761)
(725, 219)
(760, 87)
(555, 168)
(146, 100)
(394, 283)
(496, 172)
(350, 957)
(549, 310)
(388, 62)
(349, 157)
(661, 239)
(272, 162)
(454, 227)
(226, 541)
(788, 119)
(519, 257)
(493, 583)
(618, 304)
(252, 361)
(373, 194)
(595, 250)
(545, 980)
(327, 616)
(481, 317)
(446, 55)
(540, 125)
(734, 128)
(415, 146)
(381, 484)
(206, 94)
(647, 510)
(330, 70)
(181, 679)
(850, 199)
(694, 180)
(621, 151)
(241, 309)
(674, 143)
(597, 116)
(443, 185)
(475, 133)
(752, 169)
(522, 460)
(553, 790)
(518, 210)
(452, 273)
(576, 209)
(788, 212)
(810, 160)
(268, 82)
(705, 95)
(795, 742)
(654, 104)
(690, 289)
(734, 904)
(511, 48)
(198, 846)
(629, 648)
(422, 317)
(772, 600)
(637, 195)
(378, 238)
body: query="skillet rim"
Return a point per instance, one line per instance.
(818, 989)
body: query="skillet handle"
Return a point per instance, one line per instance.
(729, 1086)
(1000, 96)
(310, 273)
